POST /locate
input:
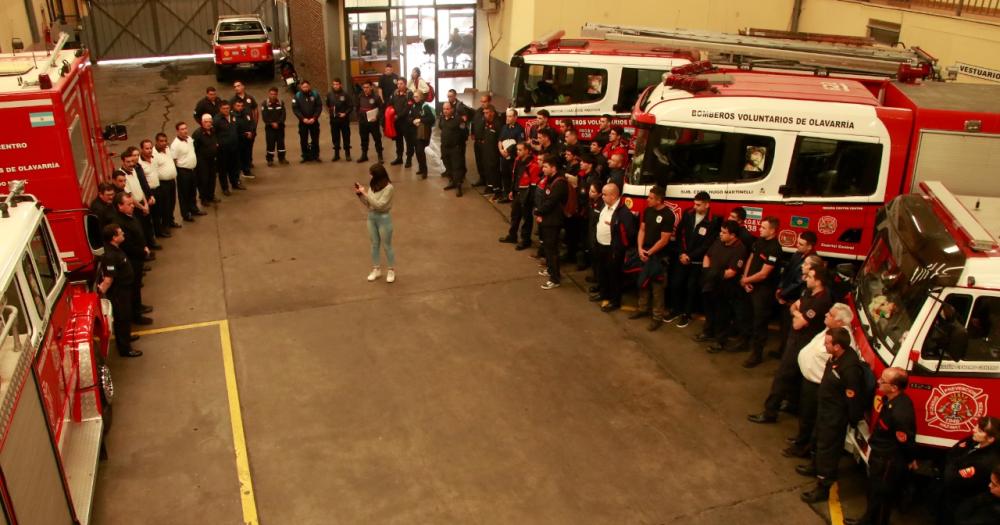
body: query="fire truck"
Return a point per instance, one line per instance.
(579, 80)
(818, 134)
(927, 299)
(52, 138)
(55, 388)
(242, 42)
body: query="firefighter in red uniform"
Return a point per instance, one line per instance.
(526, 175)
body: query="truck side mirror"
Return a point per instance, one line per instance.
(783, 190)
(115, 132)
(210, 31)
(846, 271)
(269, 30)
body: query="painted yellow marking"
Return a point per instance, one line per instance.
(836, 512)
(248, 501)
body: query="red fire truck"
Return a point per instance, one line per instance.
(821, 138)
(52, 137)
(55, 388)
(579, 80)
(927, 299)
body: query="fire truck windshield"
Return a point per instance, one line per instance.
(913, 253)
(681, 155)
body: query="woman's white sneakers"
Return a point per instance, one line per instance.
(390, 275)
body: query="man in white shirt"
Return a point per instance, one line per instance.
(182, 151)
(166, 170)
(153, 181)
(812, 362)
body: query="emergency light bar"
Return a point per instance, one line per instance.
(980, 239)
(548, 40)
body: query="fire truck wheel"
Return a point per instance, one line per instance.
(107, 395)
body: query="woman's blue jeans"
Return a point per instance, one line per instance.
(380, 230)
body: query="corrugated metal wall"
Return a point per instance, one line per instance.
(116, 29)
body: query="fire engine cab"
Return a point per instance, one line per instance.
(927, 299)
(820, 136)
(55, 389)
(579, 80)
(51, 137)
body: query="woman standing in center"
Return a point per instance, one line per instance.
(378, 199)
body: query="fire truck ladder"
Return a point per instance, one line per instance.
(821, 56)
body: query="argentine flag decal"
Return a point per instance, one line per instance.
(43, 119)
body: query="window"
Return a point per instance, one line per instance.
(37, 295)
(14, 324)
(634, 81)
(241, 32)
(79, 152)
(673, 155)
(965, 327)
(983, 329)
(540, 85)
(46, 259)
(884, 32)
(834, 168)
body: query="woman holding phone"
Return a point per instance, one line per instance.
(378, 199)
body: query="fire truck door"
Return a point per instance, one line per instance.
(957, 353)
(831, 188)
(31, 473)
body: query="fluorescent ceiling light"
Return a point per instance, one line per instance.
(154, 60)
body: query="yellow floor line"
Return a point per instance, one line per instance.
(177, 328)
(836, 512)
(248, 501)
(236, 418)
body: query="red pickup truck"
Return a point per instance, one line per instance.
(242, 42)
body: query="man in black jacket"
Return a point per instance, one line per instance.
(615, 233)
(246, 130)
(135, 248)
(210, 104)
(340, 104)
(454, 133)
(206, 148)
(838, 405)
(478, 124)
(102, 206)
(115, 281)
(272, 112)
(550, 216)
(792, 283)
(401, 100)
(698, 229)
(307, 107)
(227, 134)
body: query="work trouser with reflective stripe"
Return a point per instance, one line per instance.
(275, 141)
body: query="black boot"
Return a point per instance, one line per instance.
(347, 155)
(364, 158)
(380, 160)
(409, 162)
(336, 155)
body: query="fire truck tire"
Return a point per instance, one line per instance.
(107, 395)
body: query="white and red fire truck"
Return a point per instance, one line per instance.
(55, 388)
(927, 299)
(51, 136)
(821, 145)
(579, 80)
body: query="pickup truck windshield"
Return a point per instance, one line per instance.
(912, 253)
(246, 32)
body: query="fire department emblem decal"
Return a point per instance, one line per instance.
(827, 225)
(788, 238)
(954, 408)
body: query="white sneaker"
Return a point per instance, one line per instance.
(376, 273)
(544, 272)
(549, 285)
(390, 276)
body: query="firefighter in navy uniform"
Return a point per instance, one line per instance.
(116, 281)
(307, 107)
(102, 206)
(273, 113)
(136, 250)
(340, 105)
(892, 443)
(246, 128)
(967, 468)
(454, 133)
(369, 101)
(760, 279)
(839, 404)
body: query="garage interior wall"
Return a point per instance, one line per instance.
(13, 24)
(951, 39)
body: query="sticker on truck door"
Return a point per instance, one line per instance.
(955, 407)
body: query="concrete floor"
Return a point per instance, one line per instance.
(462, 393)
